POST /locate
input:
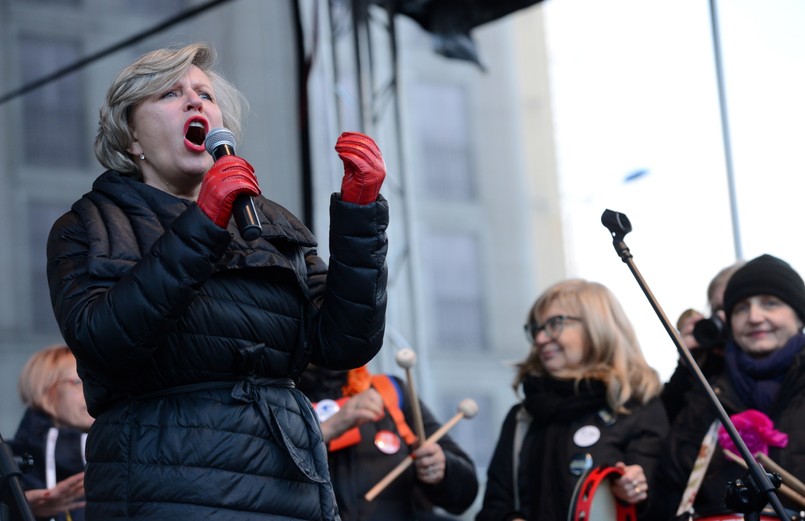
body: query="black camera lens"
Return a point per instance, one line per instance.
(710, 332)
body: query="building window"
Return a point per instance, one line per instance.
(443, 129)
(455, 291)
(53, 120)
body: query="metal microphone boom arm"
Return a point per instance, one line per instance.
(619, 225)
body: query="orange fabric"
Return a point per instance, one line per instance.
(391, 401)
(388, 391)
(358, 380)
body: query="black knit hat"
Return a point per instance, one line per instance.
(766, 275)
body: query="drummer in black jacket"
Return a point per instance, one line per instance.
(591, 401)
(368, 421)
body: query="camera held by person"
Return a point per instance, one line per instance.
(710, 332)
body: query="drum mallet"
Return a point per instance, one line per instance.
(466, 409)
(406, 358)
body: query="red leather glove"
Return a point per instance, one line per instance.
(364, 168)
(228, 178)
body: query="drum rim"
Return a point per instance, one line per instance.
(599, 474)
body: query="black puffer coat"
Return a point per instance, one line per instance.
(186, 339)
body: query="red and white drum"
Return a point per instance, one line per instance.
(593, 499)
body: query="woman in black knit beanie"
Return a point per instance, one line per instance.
(762, 388)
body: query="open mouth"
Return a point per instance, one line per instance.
(196, 132)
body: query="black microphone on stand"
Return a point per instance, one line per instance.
(220, 142)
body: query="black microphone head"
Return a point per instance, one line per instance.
(217, 137)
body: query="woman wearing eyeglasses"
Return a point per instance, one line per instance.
(590, 400)
(53, 432)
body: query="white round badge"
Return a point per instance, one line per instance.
(325, 409)
(587, 436)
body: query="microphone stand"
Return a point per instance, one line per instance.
(747, 496)
(10, 474)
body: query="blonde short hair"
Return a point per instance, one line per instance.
(42, 371)
(149, 75)
(612, 352)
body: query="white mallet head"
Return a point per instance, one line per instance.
(468, 407)
(406, 358)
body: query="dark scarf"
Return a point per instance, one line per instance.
(549, 399)
(554, 404)
(757, 380)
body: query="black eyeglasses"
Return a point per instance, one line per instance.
(553, 327)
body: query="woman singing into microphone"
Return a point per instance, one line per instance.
(188, 337)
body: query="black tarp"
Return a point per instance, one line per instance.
(451, 21)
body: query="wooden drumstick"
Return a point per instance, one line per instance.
(406, 358)
(788, 478)
(785, 489)
(466, 409)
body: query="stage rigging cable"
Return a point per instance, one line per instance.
(128, 42)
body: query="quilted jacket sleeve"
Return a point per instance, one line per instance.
(348, 331)
(94, 307)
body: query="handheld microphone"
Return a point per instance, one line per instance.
(220, 142)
